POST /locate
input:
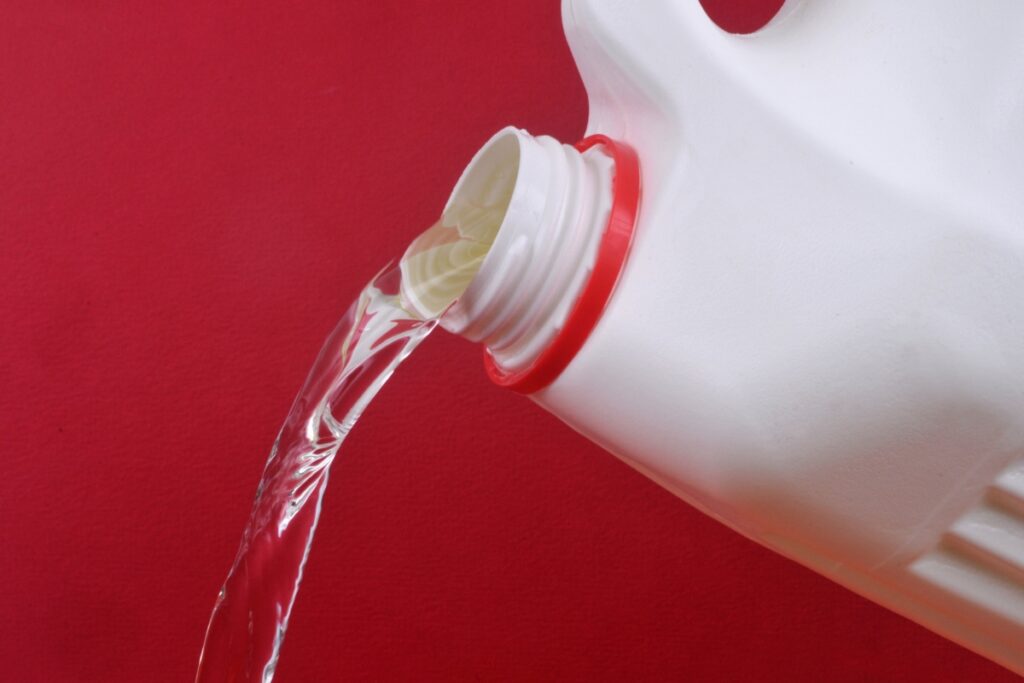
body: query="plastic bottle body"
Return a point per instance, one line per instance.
(819, 328)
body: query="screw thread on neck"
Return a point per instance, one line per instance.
(553, 203)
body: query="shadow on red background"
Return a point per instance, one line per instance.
(191, 193)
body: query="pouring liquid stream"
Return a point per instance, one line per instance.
(391, 316)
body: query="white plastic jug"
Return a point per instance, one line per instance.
(817, 335)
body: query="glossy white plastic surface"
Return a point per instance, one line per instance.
(820, 330)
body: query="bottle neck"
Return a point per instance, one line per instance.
(557, 202)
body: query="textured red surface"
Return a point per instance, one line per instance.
(190, 194)
(741, 16)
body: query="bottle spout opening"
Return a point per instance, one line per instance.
(519, 245)
(442, 263)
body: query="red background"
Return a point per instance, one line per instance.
(190, 195)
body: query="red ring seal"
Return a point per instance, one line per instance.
(611, 257)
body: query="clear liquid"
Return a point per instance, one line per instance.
(380, 329)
